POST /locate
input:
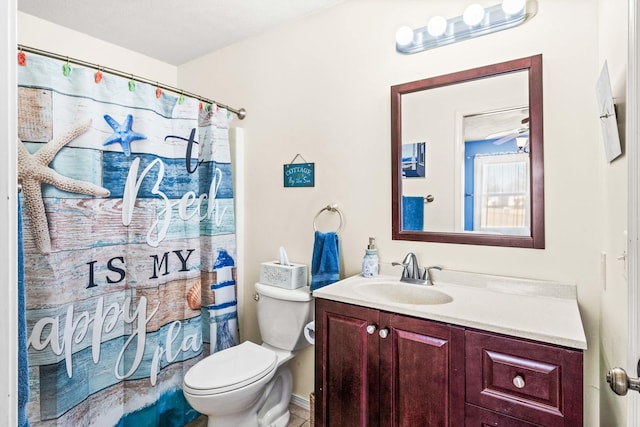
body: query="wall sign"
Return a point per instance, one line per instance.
(299, 174)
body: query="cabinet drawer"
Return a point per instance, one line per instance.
(478, 417)
(532, 381)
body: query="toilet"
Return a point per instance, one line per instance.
(249, 385)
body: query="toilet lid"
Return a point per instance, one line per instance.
(231, 368)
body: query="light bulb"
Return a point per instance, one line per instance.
(473, 14)
(513, 7)
(437, 26)
(404, 36)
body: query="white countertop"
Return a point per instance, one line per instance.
(539, 310)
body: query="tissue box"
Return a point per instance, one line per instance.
(291, 276)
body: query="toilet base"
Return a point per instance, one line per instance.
(282, 421)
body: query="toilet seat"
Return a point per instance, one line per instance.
(230, 369)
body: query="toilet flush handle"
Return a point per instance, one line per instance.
(256, 297)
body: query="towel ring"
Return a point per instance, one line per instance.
(330, 208)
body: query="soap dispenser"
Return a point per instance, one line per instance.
(370, 260)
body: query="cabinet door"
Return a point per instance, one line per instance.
(421, 372)
(347, 359)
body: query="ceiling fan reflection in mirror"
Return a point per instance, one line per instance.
(521, 134)
(495, 124)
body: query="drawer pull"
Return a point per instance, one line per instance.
(383, 333)
(371, 329)
(518, 381)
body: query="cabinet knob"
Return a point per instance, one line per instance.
(383, 333)
(371, 329)
(518, 381)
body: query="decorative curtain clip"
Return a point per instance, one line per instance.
(132, 84)
(98, 75)
(66, 68)
(158, 91)
(22, 58)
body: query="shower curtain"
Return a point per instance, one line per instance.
(129, 244)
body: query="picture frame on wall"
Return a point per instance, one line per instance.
(414, 158)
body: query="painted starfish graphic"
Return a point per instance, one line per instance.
(122, 133)
(34, 170)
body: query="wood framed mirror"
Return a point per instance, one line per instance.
(467, 156)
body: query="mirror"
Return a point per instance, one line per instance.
(467, 157)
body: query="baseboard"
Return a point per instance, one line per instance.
(300, 401)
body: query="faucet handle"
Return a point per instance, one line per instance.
(428, 275)
(405, 268)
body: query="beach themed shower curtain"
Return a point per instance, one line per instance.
(129, 244)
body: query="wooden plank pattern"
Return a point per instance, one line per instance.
(46, 73)
(92, 223)
(65, 276)
(90, 377)
(108, 405)
(168, 300)
(35, 115)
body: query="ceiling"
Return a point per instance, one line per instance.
(167, 30)
(497, 124)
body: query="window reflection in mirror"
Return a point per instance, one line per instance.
(496, 172)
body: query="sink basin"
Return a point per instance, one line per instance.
(402, 293)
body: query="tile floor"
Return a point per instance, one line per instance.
(299, 418)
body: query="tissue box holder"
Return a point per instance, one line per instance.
(291, 276)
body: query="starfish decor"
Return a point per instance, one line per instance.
(122, 133)
(34, 170)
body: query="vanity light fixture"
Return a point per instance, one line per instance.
(475, 21)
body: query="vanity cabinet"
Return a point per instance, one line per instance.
(376, 368)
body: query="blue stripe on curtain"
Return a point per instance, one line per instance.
(23, 362)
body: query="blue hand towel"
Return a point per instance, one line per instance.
(23, 364)
(325, 264)
(412, 213)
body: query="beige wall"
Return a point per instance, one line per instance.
(320, 87)
(612, 43)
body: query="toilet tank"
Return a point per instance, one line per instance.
(283, 314)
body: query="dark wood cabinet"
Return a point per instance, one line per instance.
(531, 381)
(347, 366)
(375, 368)
(478, 417)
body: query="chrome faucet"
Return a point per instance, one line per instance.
(411, 272)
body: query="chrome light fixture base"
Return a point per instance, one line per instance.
(495, 19)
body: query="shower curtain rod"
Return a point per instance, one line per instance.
(241, 113)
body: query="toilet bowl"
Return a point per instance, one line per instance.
(250, 385)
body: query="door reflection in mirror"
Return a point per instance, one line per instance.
(496, 172)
